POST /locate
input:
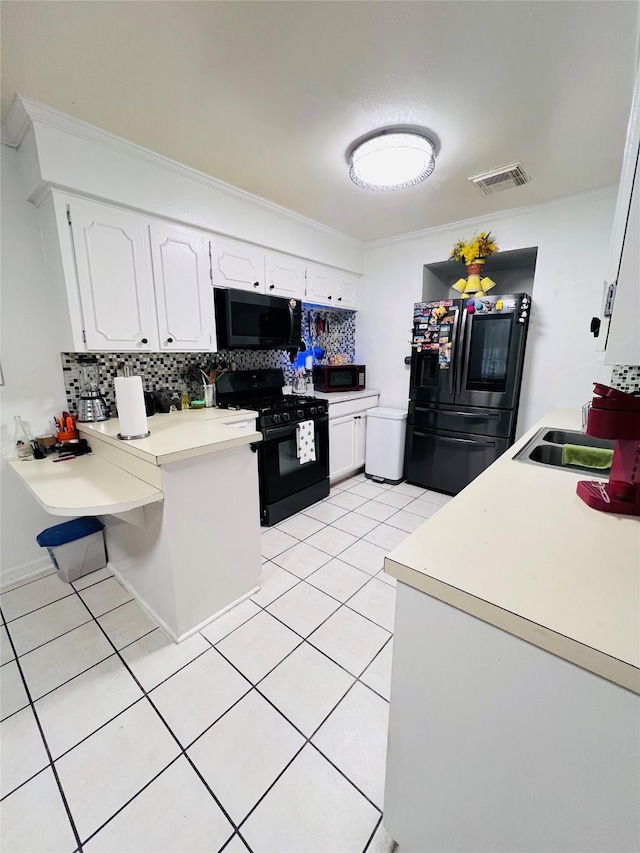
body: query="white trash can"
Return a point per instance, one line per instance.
(386, 429)
(76, 547)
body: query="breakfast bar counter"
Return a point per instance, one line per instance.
(180, 508)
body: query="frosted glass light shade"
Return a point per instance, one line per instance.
(392, 161)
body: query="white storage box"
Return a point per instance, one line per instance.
(76, 547)
(386, 429)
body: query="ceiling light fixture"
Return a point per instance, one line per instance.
(391, 159)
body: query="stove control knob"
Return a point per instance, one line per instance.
(300, 413)
(312, 410)
(286, 416)
(277, 419)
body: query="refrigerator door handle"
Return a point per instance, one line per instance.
(456, 440)
(489, 416)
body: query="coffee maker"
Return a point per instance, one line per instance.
(92, 406)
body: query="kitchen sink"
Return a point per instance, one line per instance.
(572, 436)
(545, 448)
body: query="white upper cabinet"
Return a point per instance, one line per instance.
(284, 276)
(238, 265)
(184, 295)
(346, 294)
(327, 286)
(321, 284)
(114, 277)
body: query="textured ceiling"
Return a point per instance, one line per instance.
(268, 95)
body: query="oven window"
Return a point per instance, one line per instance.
(288, 462)
(489, 353)
(255, 320)
(283, 474)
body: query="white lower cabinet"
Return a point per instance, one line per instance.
(348, 436)
(342, 446)
(184, 295)
(360, 439)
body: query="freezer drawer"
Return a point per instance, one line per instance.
(478, 421)
(448, 461)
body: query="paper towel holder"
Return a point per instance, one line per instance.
(133, 437)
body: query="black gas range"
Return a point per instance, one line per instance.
(286, 484)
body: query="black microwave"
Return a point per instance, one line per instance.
(247, 320)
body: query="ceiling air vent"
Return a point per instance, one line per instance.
(500, 179)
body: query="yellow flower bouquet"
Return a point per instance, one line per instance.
(473, 254)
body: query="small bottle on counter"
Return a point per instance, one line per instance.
(21, 441)
(184, 399)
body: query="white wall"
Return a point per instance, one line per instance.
(31, 366)
(572, 236)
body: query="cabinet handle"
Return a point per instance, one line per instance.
(144, 341)
(272, 287)
(169, 340)
(330, 297)
(256, 284)
(339, 298)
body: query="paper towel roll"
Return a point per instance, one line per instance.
(132, 413)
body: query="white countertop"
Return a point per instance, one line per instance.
(519, 549)
(181, 435)
(344, 396)
(87, 485)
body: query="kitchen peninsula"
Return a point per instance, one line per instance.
(180, 508)
(514, 709)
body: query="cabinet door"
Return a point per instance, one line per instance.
(360, 439)
(237, 265)
(346, 291)
(184, 295)
(114, 277)
(321, 284)
(285, 276)
(623, 343)
(623, 239)
(342, 446)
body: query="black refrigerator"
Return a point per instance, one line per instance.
(466, 371)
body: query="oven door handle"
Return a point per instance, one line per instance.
(273, 433)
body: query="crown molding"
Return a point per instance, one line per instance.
(565, 201)
(16, 124)
(25, 111)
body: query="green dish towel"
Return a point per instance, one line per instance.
(586, 457)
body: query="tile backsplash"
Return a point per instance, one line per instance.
(626, 377)
(169, 370)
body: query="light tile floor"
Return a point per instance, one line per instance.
(265, 732)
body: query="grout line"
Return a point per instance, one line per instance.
(46, 746)
(27, 582)
(53, 639)
(131, 799)
(35, 609)
(182, 751)
(371, 837)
